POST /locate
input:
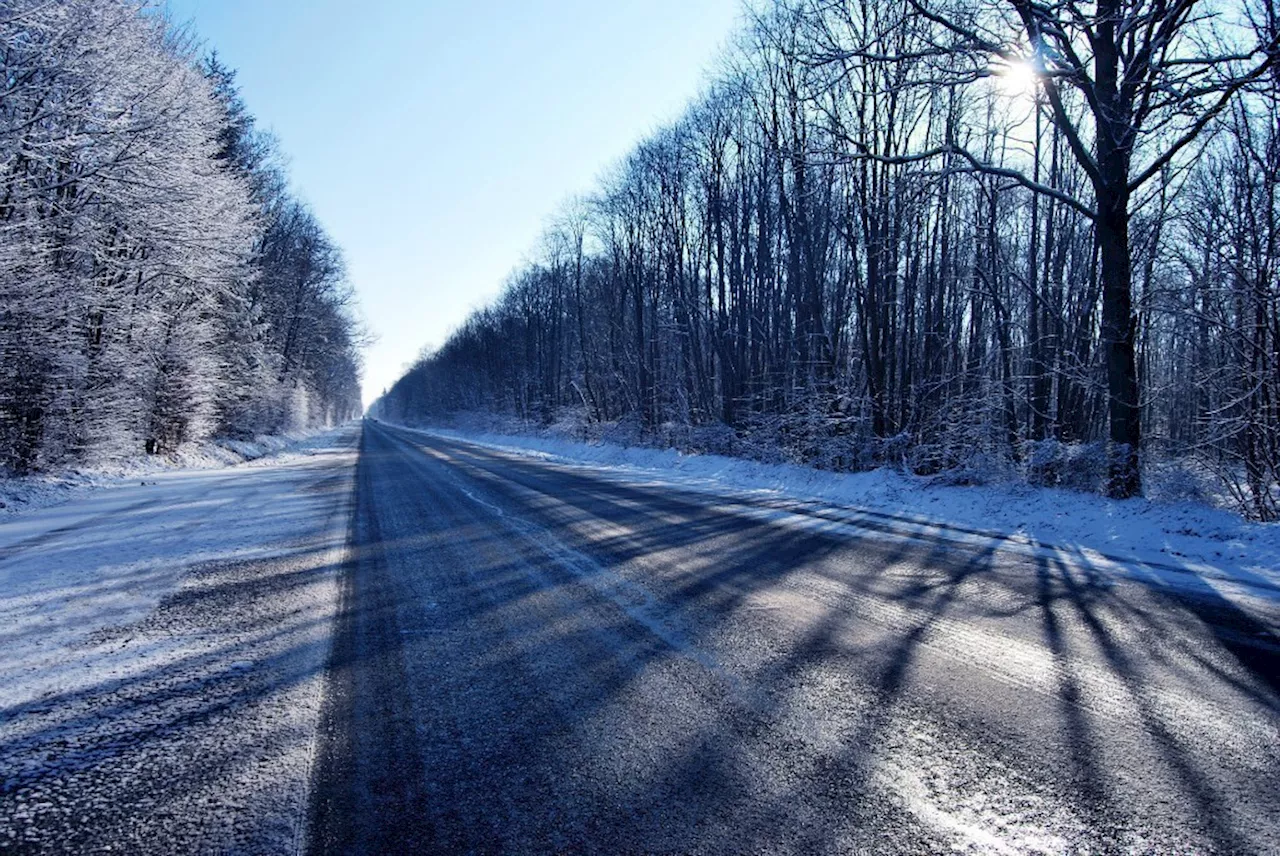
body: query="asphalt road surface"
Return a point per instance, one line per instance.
(536, 658)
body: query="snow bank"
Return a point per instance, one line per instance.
(48, 489)
(1183, 544)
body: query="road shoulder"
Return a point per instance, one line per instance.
(163, 663)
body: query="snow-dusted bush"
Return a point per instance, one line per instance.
(715, 439)
(625, 432)
(1182, 480)
(1078, 466)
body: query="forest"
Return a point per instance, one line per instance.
(160, 283)
(975, 239)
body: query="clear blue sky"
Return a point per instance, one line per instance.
(433, 139)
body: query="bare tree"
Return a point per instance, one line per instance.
(1149, 75)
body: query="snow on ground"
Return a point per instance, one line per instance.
(1179, 544)
(162, 655)
(45, 489)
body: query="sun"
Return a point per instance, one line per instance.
(1017, 79)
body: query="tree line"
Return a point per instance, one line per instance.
(975, 238)
(159, 282)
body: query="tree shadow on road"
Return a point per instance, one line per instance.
(643, 596)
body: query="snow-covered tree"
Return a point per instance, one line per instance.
(135, 202)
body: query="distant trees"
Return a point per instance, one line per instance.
(157, 282)
(974, 238)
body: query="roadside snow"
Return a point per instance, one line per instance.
(1177, 544)
(46, 489)
(162, 654)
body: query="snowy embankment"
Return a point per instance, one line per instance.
(45, 489)
(1180, 544)
(162, 655)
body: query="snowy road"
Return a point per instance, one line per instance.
(162, 654)
(536, 657)
(544, 658)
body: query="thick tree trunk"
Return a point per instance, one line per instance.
(1115, 137)
(1118, 334)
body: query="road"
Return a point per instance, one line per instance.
(535, 657)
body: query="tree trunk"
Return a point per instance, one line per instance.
(1113, 115)
(1118, 332)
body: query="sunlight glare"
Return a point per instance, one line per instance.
(1017, 79)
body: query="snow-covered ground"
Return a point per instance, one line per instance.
(162, 654)
(1185, 545)
(18, 495)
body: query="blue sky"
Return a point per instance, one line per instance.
(434, 139)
